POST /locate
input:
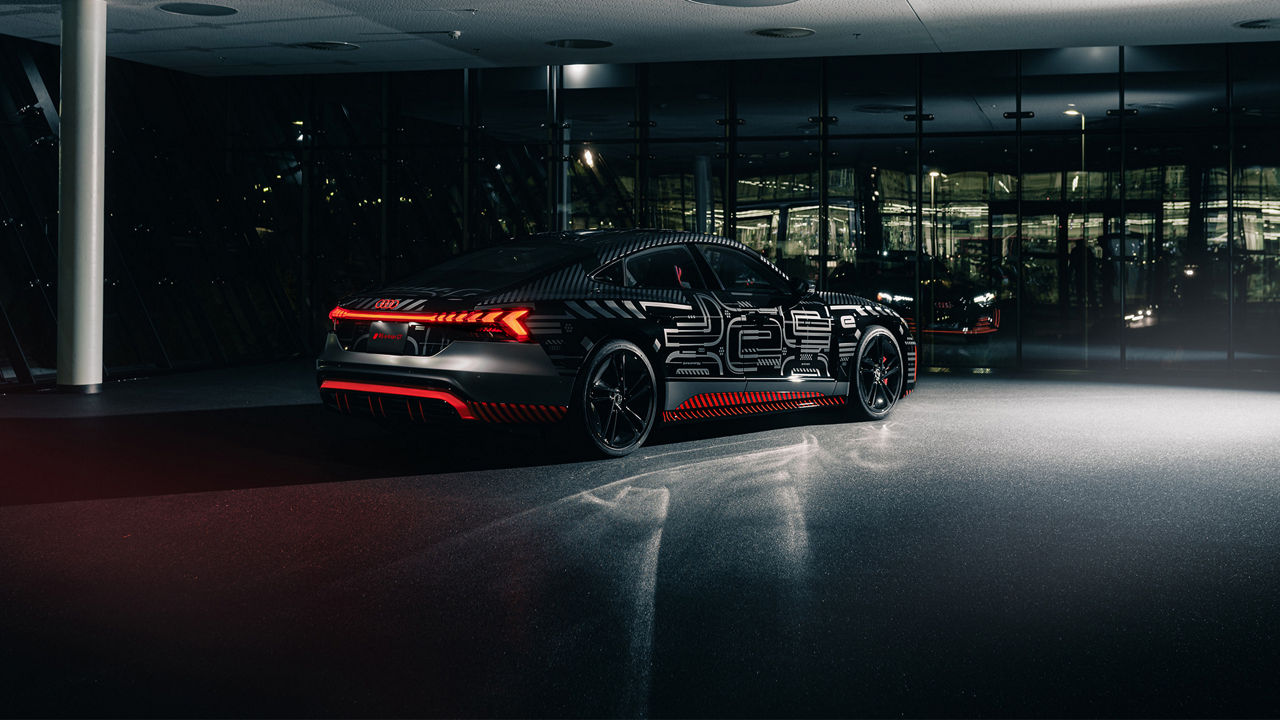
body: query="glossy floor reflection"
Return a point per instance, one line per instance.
(1000, 547)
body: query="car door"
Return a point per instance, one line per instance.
(690, 354)
(777, 337)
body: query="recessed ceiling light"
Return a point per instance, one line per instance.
(580, 44)
(785, 32)
(743, 3)
(1265, 24)
(197, 9)
(330, 45)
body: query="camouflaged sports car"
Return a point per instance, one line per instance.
(609, 333)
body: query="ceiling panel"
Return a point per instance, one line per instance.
(407, 34)
(970, 24)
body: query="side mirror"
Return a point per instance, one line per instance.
(803, 286)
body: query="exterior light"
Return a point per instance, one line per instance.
(509, 321)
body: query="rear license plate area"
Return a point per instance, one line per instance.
(387, 337)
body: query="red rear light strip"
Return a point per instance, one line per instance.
(467, 409)
(464, 410)
(510, 321)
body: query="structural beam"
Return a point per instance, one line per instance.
(82, 151)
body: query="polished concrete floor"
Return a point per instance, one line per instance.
(219, 545)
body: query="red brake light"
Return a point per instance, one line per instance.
(513, 324)
(509, 321)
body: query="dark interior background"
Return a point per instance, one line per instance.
(239, 210)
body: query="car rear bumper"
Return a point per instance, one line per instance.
(487, 381)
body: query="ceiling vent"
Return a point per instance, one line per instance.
(328, 46)
(1265, 24)
(787, 33)
(743, 3)
(197, 9)
(580, 44)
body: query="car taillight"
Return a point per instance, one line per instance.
(513, 324)
(509, 321)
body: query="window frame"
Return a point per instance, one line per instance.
(784, 283)
(697, 282)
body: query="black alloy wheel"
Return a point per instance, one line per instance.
(877, 375)
(618, 399)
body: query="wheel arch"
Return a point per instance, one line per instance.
(897, 327)
(642, 334)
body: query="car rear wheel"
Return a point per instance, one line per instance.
(618, 400)
(877, 377)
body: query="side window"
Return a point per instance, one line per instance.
(611, 273)
(666, 267)
(737, 271)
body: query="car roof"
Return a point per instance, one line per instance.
(608, 245)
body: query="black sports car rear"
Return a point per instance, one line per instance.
(950, 306)
(611, 332)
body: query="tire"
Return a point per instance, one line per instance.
(876, 377)
(616, 403)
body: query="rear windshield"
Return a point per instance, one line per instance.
(495, 267)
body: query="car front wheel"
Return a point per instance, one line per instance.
(617, 401)
(877, 376)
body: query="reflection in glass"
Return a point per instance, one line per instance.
(513, 188)
(872, 94)
(599, 101)
(427, 188)
(686, 187)
(777, 97)
(777, 208)
(602, 186)
(1053, 81)
(1069, 310)
(687, 99)
(873, 212)
(967, 285)
(970, 92)
(1255, 245)
(1175, 202)
(967, 275)
(513, 104)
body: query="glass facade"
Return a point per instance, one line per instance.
(1085, 208)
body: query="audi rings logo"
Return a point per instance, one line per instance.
(386, 304)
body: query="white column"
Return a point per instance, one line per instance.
(82, 151)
